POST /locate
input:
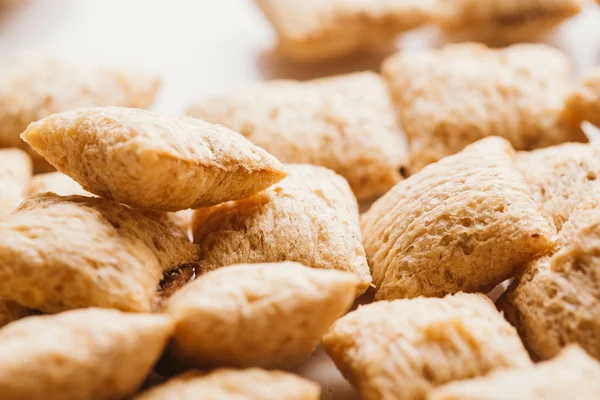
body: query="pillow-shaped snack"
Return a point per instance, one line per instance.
(59, 253)
(153, 161)
(455, 96)
(402, 349)
(465, 223)
(311, 218)
(316, 30)
(257, 315)
(346, 123)
(91, 354)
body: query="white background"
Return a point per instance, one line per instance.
(203, 47)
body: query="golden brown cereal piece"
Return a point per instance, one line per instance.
(572, 374)
(11, 311)
(345, 123)
(177, 223)
(560, 177)
(556, 301)
(455, 96)
(504, 21)
(34, 87)
(59, 253)
(583, 102)
(316, 30)
(310, 218)
(153, 161)
(243, 384)
(401, 349)
(15, 176)
(465, 223)
(257, 315)
(90, 354)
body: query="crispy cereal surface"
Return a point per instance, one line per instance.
(455, 96)
(91, 354)
(246, 384)
(401, 349)
(316, 30)
(258, 315)
(311, 218)
(556, 301)
(15, 176)
(346, 123)
(571, 374)
(561, 177)
(153, 161)
(465, 223)
(59, 253)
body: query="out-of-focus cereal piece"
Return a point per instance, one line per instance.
(33, 87)
(465, 223)
(345, 123)
(503, 21)
(556, 301)
(15, 176)
(177, 223)
(402, 349)
(583, 103)
(561, 177)
(311, 218)
(257, 315)
(455, 96)
(59, 253)
(247, 384)
(11, 311)
(572, 374)
(153, 161)
(315, 30)
(91, 354)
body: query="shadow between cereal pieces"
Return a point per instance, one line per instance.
(271, 65)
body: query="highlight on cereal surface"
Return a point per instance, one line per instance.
(300, 200)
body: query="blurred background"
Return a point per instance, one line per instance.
(202, 47)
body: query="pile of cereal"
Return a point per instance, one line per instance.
(206, 256)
